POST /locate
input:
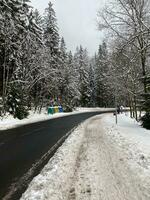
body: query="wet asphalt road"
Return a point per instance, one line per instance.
(22, 147)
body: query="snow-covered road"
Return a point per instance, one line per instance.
(99, 161)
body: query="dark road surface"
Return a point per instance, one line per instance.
(22, 148)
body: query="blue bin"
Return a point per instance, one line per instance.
(60, 109)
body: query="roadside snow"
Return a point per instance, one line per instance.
(53, 181)
(99, 160)
(133, 142)
(9, 122)
(81, 109)
(128, 134)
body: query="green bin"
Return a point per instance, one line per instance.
(50, 110)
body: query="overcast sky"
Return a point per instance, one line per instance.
(76, 21)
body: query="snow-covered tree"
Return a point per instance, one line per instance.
(51, 35)
(92, 84)
(19, 37)
(62, 70)
(129, 21)
(103, 92)
(70, 91)
(51, 41)
(35, 75)
(13, 24)
(82, 67)
(35, 65)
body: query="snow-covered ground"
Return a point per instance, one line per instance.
(9, 122)
(99, 160)
(133, 142)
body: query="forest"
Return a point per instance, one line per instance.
(36, 67)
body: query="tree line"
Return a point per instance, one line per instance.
(128, 28)
(35, 65)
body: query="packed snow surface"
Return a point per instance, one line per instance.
(9, 122)
(99, 160)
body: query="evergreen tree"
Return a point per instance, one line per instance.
(8, 33)
(51, 41)
(103, 93)
(83, 69)
(37, 63)
(31, 40)
(13, 26)
(73, 94)
(51, 35)
(38, 18)
(62, 67)
(67, 81)
(19, 37)
(92, 85)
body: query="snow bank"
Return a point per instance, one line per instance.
(81, 109)
(55, 178)
(9, 122)
(133, 142)
(129, 133)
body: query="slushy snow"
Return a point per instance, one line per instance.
(99, 160)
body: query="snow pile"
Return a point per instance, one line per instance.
(55, 178)
(133, 141)
(131, 136)
(9, 122)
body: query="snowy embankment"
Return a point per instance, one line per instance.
(133, 142)
(99, 160)
(9, 122)
(54, 179)
(131, 137)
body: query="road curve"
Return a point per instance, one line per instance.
(26, 149)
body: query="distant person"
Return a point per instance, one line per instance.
(121, 109)
(118, 109)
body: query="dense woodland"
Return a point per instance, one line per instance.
(36, 67)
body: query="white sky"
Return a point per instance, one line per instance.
(76, 21)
